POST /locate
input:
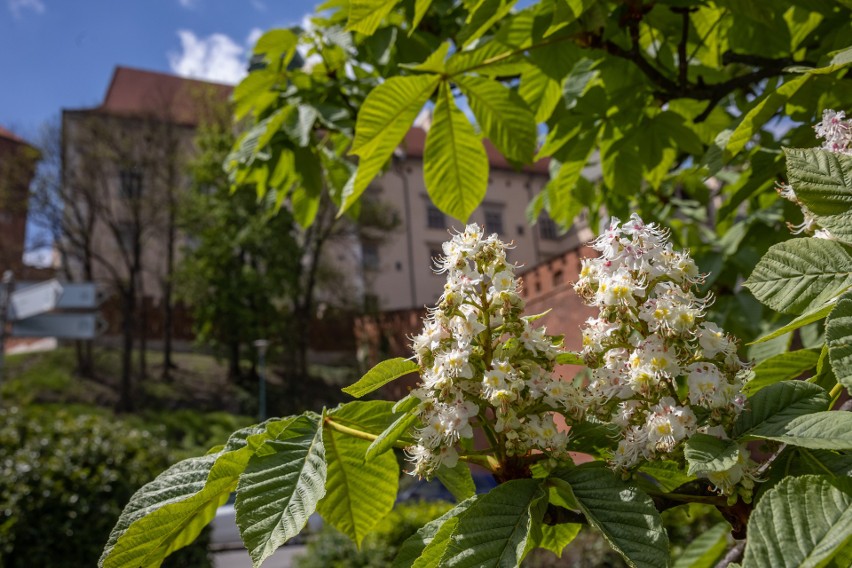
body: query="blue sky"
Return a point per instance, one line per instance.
(58, 54)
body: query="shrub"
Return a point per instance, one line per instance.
(64, 479)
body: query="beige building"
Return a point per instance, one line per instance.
(132, 183)
(397, 271)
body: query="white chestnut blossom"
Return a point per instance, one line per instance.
(483, 364)
(659, 371)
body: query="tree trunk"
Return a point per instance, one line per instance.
(128, 315)
(143, 338)
(168, 307)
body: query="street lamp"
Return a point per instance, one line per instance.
(261, 345)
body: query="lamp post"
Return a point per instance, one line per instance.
(261, 345)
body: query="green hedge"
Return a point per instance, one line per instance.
(64, 479)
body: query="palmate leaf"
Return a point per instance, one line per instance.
(458, 480)
(504, 116)
(380, 375)
(455, 164)
(383, 120)
(781, 367)
(823, 182)
(838, 338)
(665, 476)
(771, 409)
(625, 515)
(706, 453)
(555, 537)
(803, 522)
(170, 512)
(280, 488)
(366, 15)
(814, 314)
(804, 461)
(359, 493)
(435, 551)
(541, 91)
(706, 549)
(819, 430)
(413, 547)
(493, 531)
(801, 274)
(397, 429)
(560, 190)
(755, 118)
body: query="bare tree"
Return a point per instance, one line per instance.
(115, 202)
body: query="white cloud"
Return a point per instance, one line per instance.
(214, 58)
(253, 36)
(17, 7)
(259, 5)
(188, 4)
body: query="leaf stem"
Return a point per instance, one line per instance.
(834, 394)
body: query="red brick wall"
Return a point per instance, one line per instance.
(17, 167)
(549, 286)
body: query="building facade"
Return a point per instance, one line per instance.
(17, 167)
(398, 271)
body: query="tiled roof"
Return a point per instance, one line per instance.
(135, 92)
(5, 134)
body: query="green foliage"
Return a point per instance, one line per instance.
(455, 166)
(781, 367)
(242, 272)
(623, 514)
(838, 338)
(705, 550)
(823, 182)
(493, 530)
(665, 95)
(821, 510)
(331, 549)
(65, 479)
(280, 488)
(772, 408)
(801, 274)
(359, 493)
(706, 453)
(380, 375)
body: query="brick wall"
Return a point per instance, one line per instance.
(549, 286)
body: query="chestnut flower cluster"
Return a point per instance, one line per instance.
(482, 363)
(659, 371)
(836, 132)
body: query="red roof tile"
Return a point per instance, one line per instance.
(149, 93)
(138, 92)
(13, 137)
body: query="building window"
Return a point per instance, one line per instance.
(557, 278)
(547, 228)
(370, 255)
(494, 221)
(435, 219)
(131, 183)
